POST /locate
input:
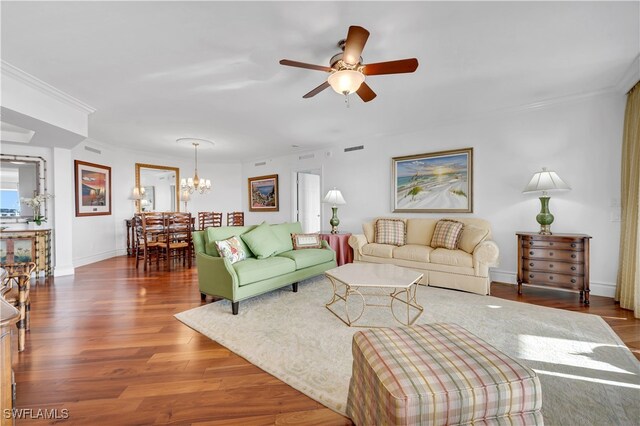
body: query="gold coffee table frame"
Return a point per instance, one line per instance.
(349, 279)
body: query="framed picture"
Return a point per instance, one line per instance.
(438, 182)
(263, 194)
(93, 189)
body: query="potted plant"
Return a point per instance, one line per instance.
(35, 203)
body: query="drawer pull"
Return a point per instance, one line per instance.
(573, 280)
(531, 253)
(550, 277)
(551, 265)
(530, 275)
(573, 268)
(550, 253)
(531, 264)
(550, 244)
(573, 245)
(530, 243)
(573, 256)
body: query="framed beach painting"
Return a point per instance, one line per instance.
(263, 194)
(93, 189)
(438, 182)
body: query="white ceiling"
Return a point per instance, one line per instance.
(158, 71)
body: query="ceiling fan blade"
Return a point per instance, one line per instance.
(356, 39)
(365, 92)
(391, 67)
(303, 65)
(317, 90)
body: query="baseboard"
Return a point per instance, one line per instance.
(61, 271)
(597, 288)
(82, 261)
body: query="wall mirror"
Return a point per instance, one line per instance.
(21, 176)
(158, 186)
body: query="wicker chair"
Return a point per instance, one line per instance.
(15, 290)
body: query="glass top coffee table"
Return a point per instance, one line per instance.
(396, 284)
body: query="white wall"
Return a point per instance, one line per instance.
(580, 139)
(100, 237)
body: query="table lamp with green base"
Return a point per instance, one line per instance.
(545, 181)
(334, 197)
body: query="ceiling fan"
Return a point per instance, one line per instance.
(347, 72)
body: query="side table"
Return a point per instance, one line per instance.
(340, 244)
(554, 260)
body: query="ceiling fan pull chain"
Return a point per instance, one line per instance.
(346, 99)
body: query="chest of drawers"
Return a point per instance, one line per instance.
(557, 260)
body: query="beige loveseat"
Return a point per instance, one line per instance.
(466, 268)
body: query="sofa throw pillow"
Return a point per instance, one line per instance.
(447, 234)
(306, 241)
(231, 249)
(471, 236)
(390, 231)
(261, 241)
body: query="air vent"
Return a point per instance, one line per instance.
(354, 148)
(306, 156)
(97, 151)
(262, 163)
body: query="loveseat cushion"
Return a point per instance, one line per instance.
(420, 231)
(391, 231)
(308, 257)
(253, 270)
(262, 241)
(415, 252)
(283, 233)
(471, 237)
(451, 257)
(232, 249)
(378, 250)
(447, 234)
(213, 234)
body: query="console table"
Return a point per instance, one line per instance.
(556, 260)
(27, 245)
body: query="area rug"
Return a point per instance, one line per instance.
(588, 375)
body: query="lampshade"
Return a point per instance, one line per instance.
(346, 82)
(185, 196)
(546, 180)
(334, 197)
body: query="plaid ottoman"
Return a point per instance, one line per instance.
(438, 374)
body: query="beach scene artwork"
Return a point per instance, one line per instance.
(438, 182)
(263, 193)
(93, 189)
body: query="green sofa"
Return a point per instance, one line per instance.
(253, 276)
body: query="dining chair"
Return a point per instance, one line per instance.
(208, 219)
(235, 219)
(15, 290)
(150, 229)
(177, 238)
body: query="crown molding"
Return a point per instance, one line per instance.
(630, 77)
(44, 88)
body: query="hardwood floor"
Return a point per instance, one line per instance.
(105, 346)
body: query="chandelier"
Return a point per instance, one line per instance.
(195, 183)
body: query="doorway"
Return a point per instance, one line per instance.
(307, 204)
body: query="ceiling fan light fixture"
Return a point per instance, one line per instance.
(346, 82)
